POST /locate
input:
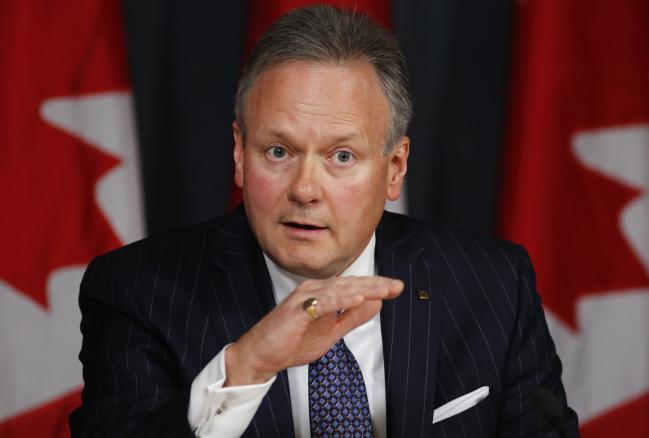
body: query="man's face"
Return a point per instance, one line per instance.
(313, 172)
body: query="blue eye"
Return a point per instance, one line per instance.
(276, 153)
(344, 157)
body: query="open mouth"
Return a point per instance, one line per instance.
(303, 226)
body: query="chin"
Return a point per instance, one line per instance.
(307, 267)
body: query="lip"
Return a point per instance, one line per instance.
(303, 229)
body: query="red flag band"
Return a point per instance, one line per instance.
(576, 178)
(69, 175)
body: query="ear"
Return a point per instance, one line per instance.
(238, 155)
(397, 167)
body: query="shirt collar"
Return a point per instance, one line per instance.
(285, 282)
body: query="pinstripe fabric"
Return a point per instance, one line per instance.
(156, 311)
(483, 326)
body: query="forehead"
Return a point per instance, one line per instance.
(333, 97)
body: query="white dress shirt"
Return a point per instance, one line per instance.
(227, 412)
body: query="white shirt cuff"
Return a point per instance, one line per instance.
(223, 412)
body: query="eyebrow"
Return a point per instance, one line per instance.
(287, 138)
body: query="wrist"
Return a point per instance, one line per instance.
(240, 369)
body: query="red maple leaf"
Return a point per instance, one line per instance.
(50, 218)
(581, 65)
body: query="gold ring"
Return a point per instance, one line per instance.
(309, 307)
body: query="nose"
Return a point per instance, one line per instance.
(305, 188)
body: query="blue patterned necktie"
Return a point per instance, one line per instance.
(337, 397)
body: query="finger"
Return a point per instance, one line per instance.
(347, 282)
(365, 282)
(352, 294)
(374, 287)
(344, 293)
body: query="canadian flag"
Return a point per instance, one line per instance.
(575, 192)
(69, 191)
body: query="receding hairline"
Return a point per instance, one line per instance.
(360, 61)
(353, 67)
(327, 34)
(350, 62)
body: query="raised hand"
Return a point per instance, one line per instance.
(288, 336)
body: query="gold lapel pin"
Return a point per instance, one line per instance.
(423, 295)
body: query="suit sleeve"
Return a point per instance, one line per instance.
(532, 364)
(132, 385)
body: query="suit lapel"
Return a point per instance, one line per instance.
(410, 328)
(240, 295)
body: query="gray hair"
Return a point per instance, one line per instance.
(326, 34)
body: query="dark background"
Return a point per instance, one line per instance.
(185, 59)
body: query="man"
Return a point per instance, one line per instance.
(273, 321)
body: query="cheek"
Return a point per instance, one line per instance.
(362, 197)
(261, 190)
(345, 194)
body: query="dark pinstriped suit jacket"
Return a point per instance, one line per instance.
(156, 311)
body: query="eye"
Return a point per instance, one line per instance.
(344, 157)
(276, 153)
